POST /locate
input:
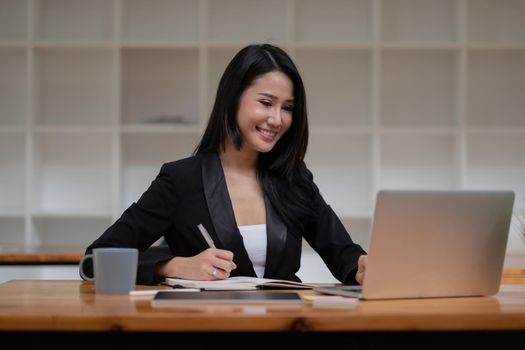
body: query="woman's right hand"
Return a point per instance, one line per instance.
(361, 269)
(210, 264)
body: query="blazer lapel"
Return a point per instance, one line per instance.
(221, 213)
(276, 238)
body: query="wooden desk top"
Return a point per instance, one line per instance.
(31, 305)
(37, 255)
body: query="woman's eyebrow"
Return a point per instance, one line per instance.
(272, 96)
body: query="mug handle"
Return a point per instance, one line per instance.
(81, 269)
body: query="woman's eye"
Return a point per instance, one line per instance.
(288, 108)
(266, 103)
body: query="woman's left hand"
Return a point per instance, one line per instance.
(361, 269)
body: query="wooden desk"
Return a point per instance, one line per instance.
(67, 308)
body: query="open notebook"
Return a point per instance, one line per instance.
(237, 283)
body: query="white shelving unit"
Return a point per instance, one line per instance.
(96, 95)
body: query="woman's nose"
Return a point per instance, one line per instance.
(275, 118)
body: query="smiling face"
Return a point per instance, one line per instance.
(265, 111)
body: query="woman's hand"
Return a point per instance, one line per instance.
(211, 264)
(361, 269)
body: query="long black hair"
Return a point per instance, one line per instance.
(282, 171)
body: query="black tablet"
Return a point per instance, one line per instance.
(166, 297)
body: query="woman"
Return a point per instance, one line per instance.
(247, 185)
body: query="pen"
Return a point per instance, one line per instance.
(206, 235)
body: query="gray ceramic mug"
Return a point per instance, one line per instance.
(115, 269)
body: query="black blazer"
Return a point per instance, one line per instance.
(193, 191)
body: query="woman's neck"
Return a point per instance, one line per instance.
(240, 160)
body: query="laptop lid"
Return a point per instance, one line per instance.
(437, 243)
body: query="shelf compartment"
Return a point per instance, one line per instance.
(418, 20)
(67, 231)
(160, 20)
(143, 156)
(333, 21)
(496, 21)
(73, 86)
(418, 88)
(160, 86)
(13, 20)
(159, 129)
(419, 162)
(12, 172)
(247, 20)
(72, 173)
(13, 86)
(74, 20)
(496, 89)
(12, 230)
(218, 60)
(338, 86)
(341, 165)
(495, 161)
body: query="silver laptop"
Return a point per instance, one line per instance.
(435, 244)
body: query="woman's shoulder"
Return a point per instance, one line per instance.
(181, 163)
(184, 174)
(189, 166)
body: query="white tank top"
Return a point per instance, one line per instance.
(254, 237)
